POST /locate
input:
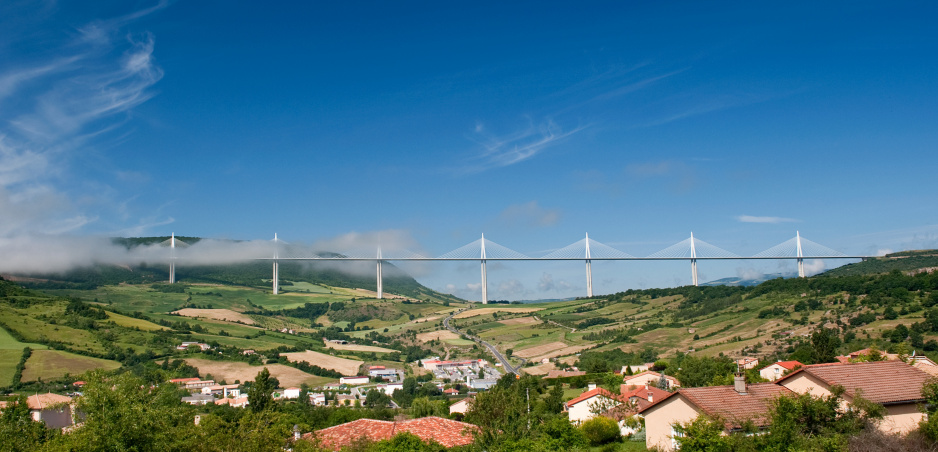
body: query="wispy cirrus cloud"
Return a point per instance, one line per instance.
(506, 150)
(55, 105)
(772, 220)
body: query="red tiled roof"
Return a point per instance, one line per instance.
(790, 365)
(592, 393)
(447, 432)
(642, 392)
(734, 408)
(884, 382)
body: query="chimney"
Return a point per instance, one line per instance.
(591, 386)
(739, 383)
(650, 396)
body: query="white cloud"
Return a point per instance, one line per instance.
(772, 220)
(506, 150)
(53, 110)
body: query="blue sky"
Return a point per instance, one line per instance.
(533, 123)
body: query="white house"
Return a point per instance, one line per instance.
(356, 380)
(776, 370)
(461, 406)
(651, 378)
(291, 393)
(582, 407)
(317, 398)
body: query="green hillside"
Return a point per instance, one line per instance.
(902, 261)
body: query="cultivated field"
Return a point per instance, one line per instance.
(484, 311)
(216, 314)
(520, 321)
(347, 367)
(356, 348)
(439, 334)
(540, 369)
(131, 322)
(56, 363)
(231, 371)
(550, 350)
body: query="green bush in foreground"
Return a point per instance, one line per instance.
(600, 430)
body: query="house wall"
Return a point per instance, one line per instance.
(773, 372)
(901, 418)
(658, 421)
(581, 411)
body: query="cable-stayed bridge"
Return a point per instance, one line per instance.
(483, 250)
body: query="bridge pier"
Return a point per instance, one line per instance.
(485, 284)
(693, 260)
(800, 254)
(172, 259)
(589, 270)
(380, 278)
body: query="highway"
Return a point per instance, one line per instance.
(498, 355)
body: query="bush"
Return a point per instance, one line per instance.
(600, 430)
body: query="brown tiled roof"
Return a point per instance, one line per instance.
(884, 382)
(734, 408)
(43, 401)
(643, 392)
(447, 432)
(674, 381)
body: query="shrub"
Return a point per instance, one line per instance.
(600, 430)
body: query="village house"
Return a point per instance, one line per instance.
(185, 346)
(894, 384)
(389, 388)
(776, 370)
(199, 384)
(636, 368)
(736, 405)
(290, 393)
(461, 406)
(747, 363)
(223, 390)
(53, 409)
(383, 373)
(651, 378)
(317, 399)
(199, 399)
(588, 404)
(448, 433)
(234, 402)
(345, 400)
(356, 380)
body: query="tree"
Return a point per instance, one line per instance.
(824, 343)
(18, 430)
(375, 398)
(260, 395)
(123, 413)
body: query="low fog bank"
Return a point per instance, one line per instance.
(45, 254)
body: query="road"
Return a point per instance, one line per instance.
(498, 355)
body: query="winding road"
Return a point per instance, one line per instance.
(498, 355)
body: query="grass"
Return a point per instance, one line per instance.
(7, 342)
(131, 322)
(47, 364)
(9, 358)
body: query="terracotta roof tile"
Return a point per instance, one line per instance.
(43, 401)
(447, 432)
(592, 393)
(882, 382)
(734, 408)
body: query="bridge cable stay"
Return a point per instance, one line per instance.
(799, 247)
(693, 248)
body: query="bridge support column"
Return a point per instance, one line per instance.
(693, 260)
(172, 259)
(276, 283)
(800, 254)
(380, 277)
(276, 270)
(589, 269)
(485, 285)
